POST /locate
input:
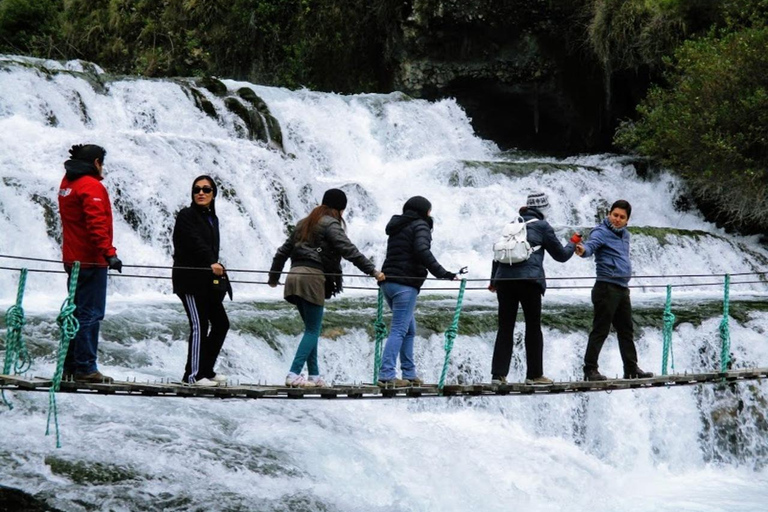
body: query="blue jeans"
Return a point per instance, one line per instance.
(90, 304)
(402, 301)
(312, 315)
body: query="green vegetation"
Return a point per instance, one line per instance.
(709, 119)
(340, 45)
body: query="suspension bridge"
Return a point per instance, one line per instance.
(16, 370)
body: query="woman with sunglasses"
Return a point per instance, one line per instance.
(195, 268)
(316, 247)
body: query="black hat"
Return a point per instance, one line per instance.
(335, 198)
(537, 200)
(418, 204)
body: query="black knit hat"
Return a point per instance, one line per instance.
(335, 198)
(418, 204)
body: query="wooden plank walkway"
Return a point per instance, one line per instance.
(361, 391)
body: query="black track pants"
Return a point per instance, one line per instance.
(208, 324)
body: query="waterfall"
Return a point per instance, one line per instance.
(698, 448)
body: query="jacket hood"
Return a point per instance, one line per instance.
(78, 168)
(531, 212)
(398, 222)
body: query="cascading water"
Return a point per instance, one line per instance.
(699, 448)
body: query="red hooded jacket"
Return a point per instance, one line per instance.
(86, 218)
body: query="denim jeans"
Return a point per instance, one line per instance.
(312, 315)
(90, 304)
(402, 301)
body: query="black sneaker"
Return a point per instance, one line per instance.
(637, 373)
(594, 375)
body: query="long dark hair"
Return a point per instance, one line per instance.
(306, 226)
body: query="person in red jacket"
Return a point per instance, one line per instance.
(86, 219)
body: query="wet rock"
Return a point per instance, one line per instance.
(15, 500)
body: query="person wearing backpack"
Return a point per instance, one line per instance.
(609, 243)
(517, 278)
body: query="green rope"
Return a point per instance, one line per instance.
(16, 354)
(380, 331)
(450, 334)
(669, 324)
(725, 333)
(68, 327)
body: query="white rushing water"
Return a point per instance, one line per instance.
(698, 448)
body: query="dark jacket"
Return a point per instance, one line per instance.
(611, 249)
(324, 250)
(195, 244)
(540, 233)
(409, 254)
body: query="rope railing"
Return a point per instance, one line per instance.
(725, 333)
(450, 334)
(16, 354)
(669, 324)
(255, 271)
(380, 331)
(68, 327)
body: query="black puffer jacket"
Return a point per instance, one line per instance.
(195, 244)
(409, 252)
(330, 238)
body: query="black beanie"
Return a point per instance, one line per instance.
(335, 198)
(87, 153)
(418, 204)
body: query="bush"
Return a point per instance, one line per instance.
(710, 122)
(26, 25)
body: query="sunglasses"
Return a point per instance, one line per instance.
(205, 190)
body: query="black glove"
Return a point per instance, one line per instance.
(449, 276)
(114, 263)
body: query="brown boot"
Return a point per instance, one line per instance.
(93, 378)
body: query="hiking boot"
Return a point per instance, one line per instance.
(594, 375)
(394, 383)
(221, 379)
(539, 381)
(293, 380)
(416, 381)
(498, 380)
(204, 383)
(637, 373)
(93, 378)
(318, 381)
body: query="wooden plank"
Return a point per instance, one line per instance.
(26, 382)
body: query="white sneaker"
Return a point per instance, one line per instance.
(205, 383)
(293, 380)
(221, 379)
(318, 381)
